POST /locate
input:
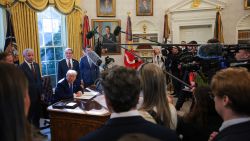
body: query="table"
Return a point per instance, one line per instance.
(71, 124)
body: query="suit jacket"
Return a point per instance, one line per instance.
(63, 90)
(89, 74)
(106, 39)
(35, 82)
(115, 128)
(237, 132)
(63, 68)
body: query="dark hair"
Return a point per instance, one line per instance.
(192, 42)
(121, 87)
(13, 87)
(203, 107)
(233, 83)
(213, 40)
(108, 27)
(3, 56)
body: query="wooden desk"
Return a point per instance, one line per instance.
(71, 124)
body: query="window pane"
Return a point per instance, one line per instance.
(51, 67)
(48, 39)
(50, 54)
(44, 68)
(56, 25)
(57, 39)
(41, 39)
(42, 52)
(59, 53)
(47, 13)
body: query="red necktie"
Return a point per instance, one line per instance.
(33, 70)
(69, 64)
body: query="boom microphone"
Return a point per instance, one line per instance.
(210, 51)
(94, 58)
(117, 30)
(91, 33)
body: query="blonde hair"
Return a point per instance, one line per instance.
(154, 92)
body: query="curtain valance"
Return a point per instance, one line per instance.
(63, 6)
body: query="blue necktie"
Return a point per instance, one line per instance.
(71, 88)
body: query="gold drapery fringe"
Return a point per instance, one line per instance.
(38, 4)
(65, 6)
(74, 29)
(25, 29)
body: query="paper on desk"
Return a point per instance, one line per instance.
(86, 95)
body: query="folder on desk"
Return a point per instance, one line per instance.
(59, 105)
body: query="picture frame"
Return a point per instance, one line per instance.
(106, 8)
(247, 4)
(144, 7)
(102, 37)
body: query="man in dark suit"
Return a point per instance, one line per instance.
(109, 38)
(67, 87)
(121, 88)
(89, 71)
(66, 64)
(32, 72)
(232, 97)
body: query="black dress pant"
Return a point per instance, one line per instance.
(34, 113)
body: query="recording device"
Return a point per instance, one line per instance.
(108, 61)
(210, 51)
(91, 33)
(94, 58)
(118, 30)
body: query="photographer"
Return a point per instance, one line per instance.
(171, 64)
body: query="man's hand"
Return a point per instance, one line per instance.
(78, 94)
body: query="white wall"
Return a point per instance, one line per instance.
(232, 13)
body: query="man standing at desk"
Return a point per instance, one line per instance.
(68, 64)
(89, 71)
(32, 72)
(121, 88)
(109, 38)
(67, 87)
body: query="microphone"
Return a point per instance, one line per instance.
(117, 30)
(94, 58)
(210, 51)
(91, 33)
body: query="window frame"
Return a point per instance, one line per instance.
(43, 46)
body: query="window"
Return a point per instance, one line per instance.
(2, 34)
(51, 27)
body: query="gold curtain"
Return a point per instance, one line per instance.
(65, 6)
(25, 27)
(38, 4)
(74, 29)
(4, 3)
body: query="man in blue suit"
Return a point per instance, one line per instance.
(68, 64)
(122, 88)
(89, 71)
(32, 72)
(67, 87)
